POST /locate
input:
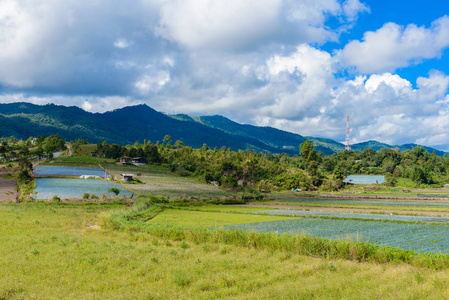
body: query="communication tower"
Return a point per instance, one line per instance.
(347, 145)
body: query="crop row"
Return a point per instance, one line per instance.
(369, 202)
(302, 213)
(418, 237)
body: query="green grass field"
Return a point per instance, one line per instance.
(178, 217)
(50, 251)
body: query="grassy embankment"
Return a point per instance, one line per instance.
(57, 251)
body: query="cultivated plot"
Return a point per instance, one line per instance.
(399, 203)
(390, 217)
(46, 188)
(67, 171)
(162, 182)
(418, 237)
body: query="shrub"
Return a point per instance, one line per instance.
(114, 190)
(86, 196)
(56, 199)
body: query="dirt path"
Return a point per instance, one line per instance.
(8, 192)
(354, 210)
(69, 150)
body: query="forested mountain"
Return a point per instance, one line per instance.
(378, 146)
(138, 123)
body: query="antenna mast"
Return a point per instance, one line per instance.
(347, 146)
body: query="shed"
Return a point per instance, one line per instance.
(127, 177)
(124, 160)
(137, 160)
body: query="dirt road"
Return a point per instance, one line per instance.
(8, 192)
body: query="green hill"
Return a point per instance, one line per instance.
(138, 123)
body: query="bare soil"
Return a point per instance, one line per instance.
(8, 192)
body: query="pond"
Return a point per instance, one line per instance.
(46, 188)
(67, 171)
(365, 179)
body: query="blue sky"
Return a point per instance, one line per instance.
(297, 65)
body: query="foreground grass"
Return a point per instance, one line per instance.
(54, 252)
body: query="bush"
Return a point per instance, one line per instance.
(93, 196)
(86, 196)
(56, 199)
(114, 190)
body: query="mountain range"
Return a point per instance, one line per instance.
(138, 123)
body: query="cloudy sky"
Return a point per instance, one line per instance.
(297, 65)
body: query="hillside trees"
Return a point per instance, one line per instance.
(310, 170)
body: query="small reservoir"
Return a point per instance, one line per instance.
(46, 188)
(67, 171)
(364, 179)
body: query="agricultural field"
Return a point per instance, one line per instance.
(159, 181)
(440, 205)
(174, 245)
(342, 215)
(68, 171)
(417, 237)
(47, 188)
(65, 251)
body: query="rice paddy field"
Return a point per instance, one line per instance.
(46, 188)
(68, 171)
(421, 238)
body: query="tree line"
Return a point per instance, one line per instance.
(309, 170)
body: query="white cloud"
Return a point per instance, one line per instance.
(352, 8)
(217, 23)
(397, 83)
(394, 46)
(86, 105)
(229, 24)
(93, 104)
(121, 43)
(152, 82)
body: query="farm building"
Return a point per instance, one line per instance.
(125, 160)
(138, 160)
(127, 177)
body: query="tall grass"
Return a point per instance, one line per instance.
(299, 244)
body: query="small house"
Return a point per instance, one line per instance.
(127, 177)
(124, 160)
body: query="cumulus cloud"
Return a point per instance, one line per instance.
(212, 23)
(218, 24)
(394, 46)
(92, 104)
(121, 43)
